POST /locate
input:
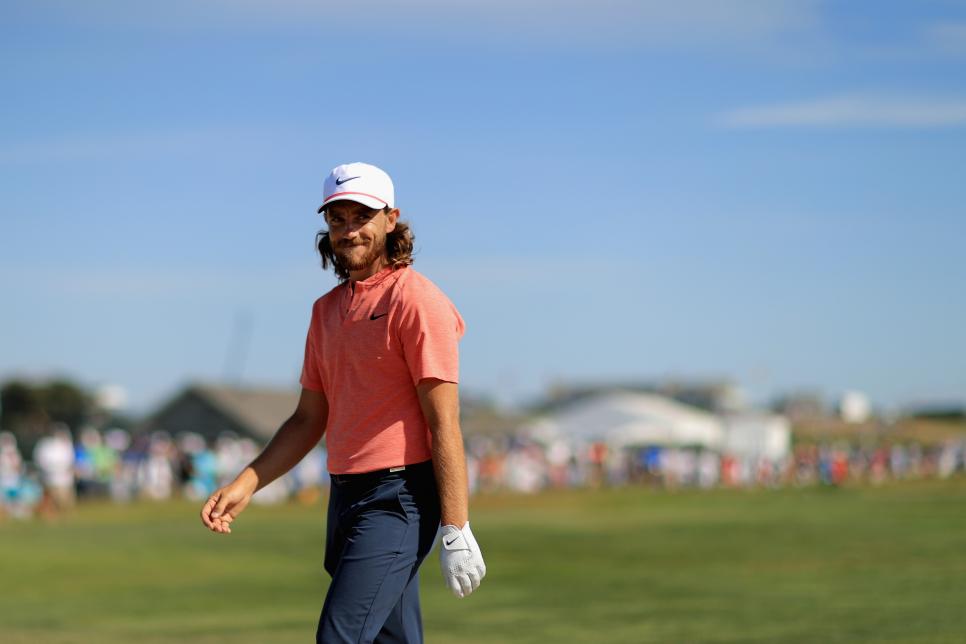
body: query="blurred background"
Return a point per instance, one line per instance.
(699, 246)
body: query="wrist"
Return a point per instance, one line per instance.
(249, 479)
(458, 518)
(455, 526)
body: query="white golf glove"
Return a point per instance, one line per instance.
(460, 559)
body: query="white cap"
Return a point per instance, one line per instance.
(359, 182)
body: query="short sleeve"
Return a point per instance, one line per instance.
(312, 364)
(430, 328)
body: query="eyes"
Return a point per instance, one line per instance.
(361, 219)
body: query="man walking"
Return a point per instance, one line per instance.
(379, 381)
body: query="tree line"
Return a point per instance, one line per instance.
(28, 409)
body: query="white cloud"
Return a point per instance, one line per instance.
(851, 111)
(919, 43)
(947, 37)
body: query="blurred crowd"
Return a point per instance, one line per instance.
(529, 467)
(114, 466)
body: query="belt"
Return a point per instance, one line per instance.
(375, 474)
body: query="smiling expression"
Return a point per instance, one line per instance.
(358, 233)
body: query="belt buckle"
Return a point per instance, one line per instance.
(397, 469)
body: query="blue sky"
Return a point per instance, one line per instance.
(763, 190)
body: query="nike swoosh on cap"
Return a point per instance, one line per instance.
(339, 182)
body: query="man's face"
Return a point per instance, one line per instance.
(358, 233)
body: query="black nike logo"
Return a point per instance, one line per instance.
(376, 317)
(450, 542)
(339, 182)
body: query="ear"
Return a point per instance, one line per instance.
(392, 216)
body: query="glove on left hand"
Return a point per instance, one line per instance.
(461, 560)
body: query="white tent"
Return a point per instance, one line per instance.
(624, 419)
(757, 435)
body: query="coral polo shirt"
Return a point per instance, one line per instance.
(369, 344)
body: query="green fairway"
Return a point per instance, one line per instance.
(629, 565)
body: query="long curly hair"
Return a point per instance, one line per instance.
(399, 249)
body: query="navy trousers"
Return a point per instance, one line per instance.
(381, 526)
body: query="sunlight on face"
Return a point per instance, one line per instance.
(358, 233)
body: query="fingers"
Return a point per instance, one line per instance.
(461, 561)
(213, 513)
(466, 587)
(208, 507)
(474, 581)
(220, 506)
(454, 585)
(462, 584)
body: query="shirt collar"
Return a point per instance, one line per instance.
(372, 280)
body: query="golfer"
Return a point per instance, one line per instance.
(379, 381)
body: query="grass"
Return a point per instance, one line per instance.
(857, 564)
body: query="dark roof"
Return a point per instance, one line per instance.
(261, 410)
(209, 409)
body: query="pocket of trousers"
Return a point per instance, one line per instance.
(385, 497)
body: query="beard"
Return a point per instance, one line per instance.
(345, 256)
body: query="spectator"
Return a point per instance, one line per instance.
(54, 455)
(11, 471)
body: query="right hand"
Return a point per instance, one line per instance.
(225, 504)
